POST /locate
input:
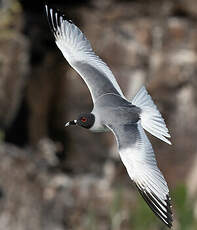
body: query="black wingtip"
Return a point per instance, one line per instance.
(54, 16)
(55, 19)
(47, 11)
(164, 216)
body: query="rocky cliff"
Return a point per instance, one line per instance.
(57, 178)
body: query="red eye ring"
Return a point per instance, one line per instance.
(84, 119)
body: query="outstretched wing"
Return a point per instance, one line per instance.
(139, 159)
(78, 52)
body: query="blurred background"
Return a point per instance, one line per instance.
(52, 178)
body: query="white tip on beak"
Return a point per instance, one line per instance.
(71, 123)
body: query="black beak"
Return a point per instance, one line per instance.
(74, 122)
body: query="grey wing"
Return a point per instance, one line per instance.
(78, 52)
(139, 159)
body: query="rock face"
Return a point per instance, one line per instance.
(49, 173)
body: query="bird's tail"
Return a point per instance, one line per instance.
(151, 119)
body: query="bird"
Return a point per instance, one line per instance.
(112, 111)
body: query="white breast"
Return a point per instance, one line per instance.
(98, 124)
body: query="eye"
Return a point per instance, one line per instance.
(84, 119)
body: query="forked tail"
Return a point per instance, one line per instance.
(151, 119)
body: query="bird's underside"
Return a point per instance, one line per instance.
(127, 120)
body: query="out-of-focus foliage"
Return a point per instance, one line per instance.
(184, 208)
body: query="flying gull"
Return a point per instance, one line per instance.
(113, 112)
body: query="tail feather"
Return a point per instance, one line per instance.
(151, 119)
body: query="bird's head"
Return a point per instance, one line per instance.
(85, 120)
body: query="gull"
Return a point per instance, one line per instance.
(111, 111)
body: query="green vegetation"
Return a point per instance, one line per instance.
(184, 209)
(126, 214)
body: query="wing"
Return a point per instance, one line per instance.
(78, 52)
(138, 157)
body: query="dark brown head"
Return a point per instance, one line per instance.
(85, 120)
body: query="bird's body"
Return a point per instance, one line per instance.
(109, 107)
(113, 112)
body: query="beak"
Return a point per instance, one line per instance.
(74, 122)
